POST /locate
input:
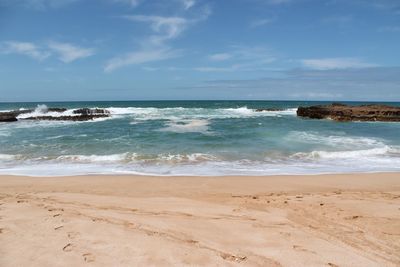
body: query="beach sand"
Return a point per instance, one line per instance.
(321, 220)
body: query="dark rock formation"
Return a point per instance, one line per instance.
(342, 112)
(56, 109)
(7, 117)
(67, 118)
(91, 111)
(268, 109)
(83, 114)
(10, 116)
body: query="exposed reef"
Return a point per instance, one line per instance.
(342, 112)
(82, 114)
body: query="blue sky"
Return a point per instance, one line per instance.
(199, 49)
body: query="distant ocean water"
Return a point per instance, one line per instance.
(195, 138)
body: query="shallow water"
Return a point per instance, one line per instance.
(195, 138)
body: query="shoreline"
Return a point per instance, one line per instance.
(286, 220)
(197, 175)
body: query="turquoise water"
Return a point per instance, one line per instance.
(196, 138)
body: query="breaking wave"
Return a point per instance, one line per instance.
(333, 140)
(382, 159)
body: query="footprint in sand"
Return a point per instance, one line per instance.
(231, 257)
(300, 248)
(88, 257)
(354, 217)
(68, 247)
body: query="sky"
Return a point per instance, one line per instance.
(72, 50)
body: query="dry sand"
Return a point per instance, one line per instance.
(324, 220)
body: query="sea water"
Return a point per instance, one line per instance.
(194, 138)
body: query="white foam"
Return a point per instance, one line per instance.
(98, 158)
(172, 114)
(7, 157)
(333, 140)
(372, 153)
(4, 133)
(189, 126)
(42, 110)
(195, 157)
(179, 113)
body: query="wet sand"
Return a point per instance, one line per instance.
(322, 220)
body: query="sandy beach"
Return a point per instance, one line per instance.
(323, 220)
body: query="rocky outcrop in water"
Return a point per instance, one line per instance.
(342, 112)
(91, 111)
(83, 114)
(7, 117)
(67, 118)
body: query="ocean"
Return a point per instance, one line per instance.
(195, 138)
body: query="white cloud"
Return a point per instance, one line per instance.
(155, 46)
(335, 63)
(68, 52)
(140, 57)
(24, 48)
(132, 3)
(165, 27)
(260, 22)
(220, 57)
(187, 4)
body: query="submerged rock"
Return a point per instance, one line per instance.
(342, 112)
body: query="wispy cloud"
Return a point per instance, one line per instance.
(139, 57)
(37, 4)
(217, 69)
(220, 57)
(166, 28)
(391, 6)
(68, 52)
(132, 3)
(153, 48)
(24, 48)
(156, 47)
(242, 58)
(187, 4)
(260, 22)
(48, 4)
(335, 63)
(350, 84)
